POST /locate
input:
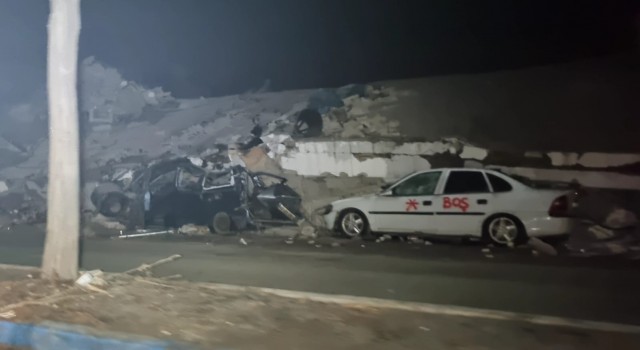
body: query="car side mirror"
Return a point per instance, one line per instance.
(385, 187)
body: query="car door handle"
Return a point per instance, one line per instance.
(482, 201)
(426, 203)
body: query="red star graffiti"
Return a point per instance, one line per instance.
(412, 204)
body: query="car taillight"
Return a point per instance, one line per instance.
(559, 207)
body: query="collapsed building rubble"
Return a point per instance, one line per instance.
(327, 144)
(106, 98)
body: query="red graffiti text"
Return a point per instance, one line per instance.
(456, 202)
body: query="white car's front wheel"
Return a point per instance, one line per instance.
(353, 223)
(503, 229)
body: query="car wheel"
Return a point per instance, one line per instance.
(353, 223)
(221, 223)
(114, 204)
(502, 229)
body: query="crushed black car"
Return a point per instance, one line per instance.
(176, 192)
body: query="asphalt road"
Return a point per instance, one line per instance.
(513, 280)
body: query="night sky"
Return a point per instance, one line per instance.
(216, 47)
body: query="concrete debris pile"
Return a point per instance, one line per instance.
(10, 153)
(22, 127)
(357, 116)
(349, 112)
(608, 225)
(326, 144)
(107, 99)
(22, 201)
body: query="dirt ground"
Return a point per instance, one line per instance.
(207, 317)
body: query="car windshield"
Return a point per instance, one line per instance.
(392, 184)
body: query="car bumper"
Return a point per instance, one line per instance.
(330, 220)
(549, 226)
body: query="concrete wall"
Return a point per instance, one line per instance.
(389, 160)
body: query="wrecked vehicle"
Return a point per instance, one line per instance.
(177, 192)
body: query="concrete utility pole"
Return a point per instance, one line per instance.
(60, 260)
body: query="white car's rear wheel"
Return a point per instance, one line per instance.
(502, 229)
(353, 223)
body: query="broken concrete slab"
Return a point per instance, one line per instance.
(192, 230)
(563, 159)
(621, 218)
(593, 159)
(589, 240)
(107, 223)
(258, 160)
(542, 247)
(606, 160)
(472, 152)
(307, 231)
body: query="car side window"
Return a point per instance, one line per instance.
(460, 182)
(163, 184)
(499, 184)
(189, 181)
(419, 185)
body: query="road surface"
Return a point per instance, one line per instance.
(513, 280)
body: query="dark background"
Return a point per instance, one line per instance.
(216, 47)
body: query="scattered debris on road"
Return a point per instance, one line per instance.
(146, 233)
(146, 269)
(538, 245)
(192, 230)
(607, 226)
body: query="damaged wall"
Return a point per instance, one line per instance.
(391, 160)
(353, 158)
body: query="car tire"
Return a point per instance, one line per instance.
(353, 223)
(501, 229)
(221, 223)
(114, 204)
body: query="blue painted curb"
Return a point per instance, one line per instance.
(52, 336)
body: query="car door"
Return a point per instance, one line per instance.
(407, 207)
(464, 203)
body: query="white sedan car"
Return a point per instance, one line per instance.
(455, 202)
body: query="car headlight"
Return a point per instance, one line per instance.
(325, 210)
